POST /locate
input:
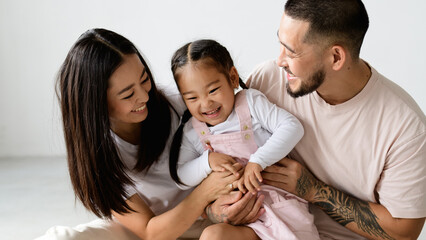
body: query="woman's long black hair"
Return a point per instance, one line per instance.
(98, 175)
(212, 53)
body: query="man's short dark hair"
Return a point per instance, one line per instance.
(342, 22)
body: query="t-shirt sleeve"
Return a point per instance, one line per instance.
(402, 187)
(267, 77)
(130, 190)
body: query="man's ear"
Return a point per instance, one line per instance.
(339, 57)
(234, 77)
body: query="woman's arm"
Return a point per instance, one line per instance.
(173, 223)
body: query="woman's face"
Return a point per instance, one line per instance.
(127, 93)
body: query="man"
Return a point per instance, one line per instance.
(362, 161)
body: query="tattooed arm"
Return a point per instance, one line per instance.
(368, 219)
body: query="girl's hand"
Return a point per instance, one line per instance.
(251, 179)
(220, 162)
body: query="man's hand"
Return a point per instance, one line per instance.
(236, 208)
(291, 176)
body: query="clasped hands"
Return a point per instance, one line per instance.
(237, 208)
(250, 179)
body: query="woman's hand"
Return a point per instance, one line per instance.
(219, 183)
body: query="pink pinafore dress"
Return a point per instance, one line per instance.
(287, 216)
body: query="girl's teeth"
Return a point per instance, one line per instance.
(212, 112)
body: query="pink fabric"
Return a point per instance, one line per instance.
(239, 145)
(287, 216)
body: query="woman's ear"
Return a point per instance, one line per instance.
(339, 57)
(234, 77)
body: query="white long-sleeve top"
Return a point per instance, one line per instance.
(276, 132)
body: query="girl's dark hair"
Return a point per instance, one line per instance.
(211, 53)
(98, 175)
(342, 22)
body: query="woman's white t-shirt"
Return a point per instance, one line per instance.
(155, 187)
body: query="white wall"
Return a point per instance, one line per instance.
(36, 36)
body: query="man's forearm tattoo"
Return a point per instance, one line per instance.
(303, 183)
(341, 207)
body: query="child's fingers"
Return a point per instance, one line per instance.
(241, 186)
(253, 181)
(229, 159)
(259, 176)
(218, 168)
(231, 168)
(255, 184)
(248, 184)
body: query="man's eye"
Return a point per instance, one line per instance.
(290, 55)
(129, 96)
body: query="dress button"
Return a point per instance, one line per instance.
(247, 136)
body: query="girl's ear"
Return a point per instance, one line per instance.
(234, 77)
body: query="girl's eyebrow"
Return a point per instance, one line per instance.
(131, 85)
(208, 85)
(211, 83)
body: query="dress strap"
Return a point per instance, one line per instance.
(242, 109)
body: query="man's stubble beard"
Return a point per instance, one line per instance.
(308, 86)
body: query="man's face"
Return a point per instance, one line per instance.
(301, 61)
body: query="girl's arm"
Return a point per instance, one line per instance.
(286, 129)
(193, 164)
(173, 223)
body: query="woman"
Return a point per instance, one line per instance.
(117, 128)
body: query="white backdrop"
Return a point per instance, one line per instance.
(36, 36)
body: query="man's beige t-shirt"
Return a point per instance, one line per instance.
(372, 144)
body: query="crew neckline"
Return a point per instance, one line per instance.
(354, 100)
(123, 142)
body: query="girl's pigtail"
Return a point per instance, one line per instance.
(175, 148)
(242, 84)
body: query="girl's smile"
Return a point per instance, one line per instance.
(207, 92)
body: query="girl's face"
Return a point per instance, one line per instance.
(127, 94)
(207, 92)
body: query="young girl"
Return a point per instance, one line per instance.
(245, 126)
(117, 128)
